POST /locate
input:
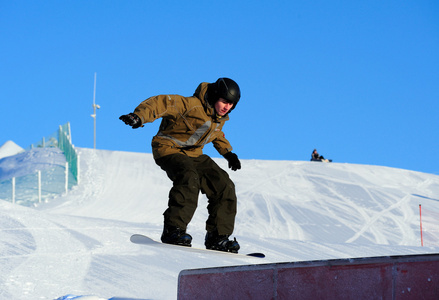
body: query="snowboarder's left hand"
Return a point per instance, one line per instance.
(233, 160)
(131, 119)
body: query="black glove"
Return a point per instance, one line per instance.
(233, 160)
(131, 119)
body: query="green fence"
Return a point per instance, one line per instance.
(36, 187)
(31, 188)
(65, 144)
(63, 140)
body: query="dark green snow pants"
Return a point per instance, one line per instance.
(190, 175)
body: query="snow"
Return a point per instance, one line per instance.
(31, 161)
(10, 148)
(77, 245)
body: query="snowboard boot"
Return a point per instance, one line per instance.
(214, 241)
(176, 236)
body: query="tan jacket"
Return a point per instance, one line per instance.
(188, 123)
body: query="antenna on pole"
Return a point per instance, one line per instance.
(94, 113)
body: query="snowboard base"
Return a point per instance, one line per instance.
(145, 240)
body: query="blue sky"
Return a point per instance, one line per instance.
(358, 80)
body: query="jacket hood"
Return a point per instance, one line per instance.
(201, 93)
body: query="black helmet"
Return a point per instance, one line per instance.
(224, 88)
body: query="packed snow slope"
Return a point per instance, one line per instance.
(79, 243)
(9, 148)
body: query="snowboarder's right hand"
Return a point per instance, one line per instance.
(131, 119)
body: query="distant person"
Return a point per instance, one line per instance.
(189, 123)
(315, 156)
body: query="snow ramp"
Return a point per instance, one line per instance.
(390, 277)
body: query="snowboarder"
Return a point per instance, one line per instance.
(315, 156)
(189, 123)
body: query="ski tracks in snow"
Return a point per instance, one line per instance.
(380, 210)
(264, 198)
(31, 270)
(44, 252)
(371, 218)
(345, 199)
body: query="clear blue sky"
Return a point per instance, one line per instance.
(358, 80)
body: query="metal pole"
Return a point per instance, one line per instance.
(420, 222)
(39, 186)
(67, 178)
(95, 106)
(94, 113)
(13, 189)
(78, 169)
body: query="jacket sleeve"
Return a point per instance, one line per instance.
(221, 144)
(161, 106)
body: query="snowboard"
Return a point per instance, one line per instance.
(144, 240)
